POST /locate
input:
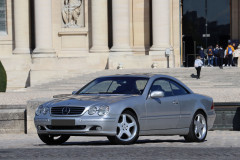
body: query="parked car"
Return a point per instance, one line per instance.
(124, 107)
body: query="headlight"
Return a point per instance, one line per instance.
(42, 110)
(45, 110)
(103, 110)
(39, 110)
(92, 110)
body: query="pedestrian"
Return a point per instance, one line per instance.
(216, 54)
(210, 56)
(221, 57)
(229, 53)
(198, 65)
(236, 55)
(233, 58)
(202, 55)
(225, 59)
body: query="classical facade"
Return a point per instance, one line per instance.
(46, 40)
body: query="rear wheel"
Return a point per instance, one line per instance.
(53, 139)
(127, 129)
(198, 128)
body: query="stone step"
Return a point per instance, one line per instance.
(210, 77)
(12, 121)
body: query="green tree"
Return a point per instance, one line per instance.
(3, 78)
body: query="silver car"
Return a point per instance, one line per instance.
(124, 107)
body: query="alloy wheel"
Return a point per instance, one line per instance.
(126, 128)
(200, 126)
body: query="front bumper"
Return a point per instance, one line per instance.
(88, 125)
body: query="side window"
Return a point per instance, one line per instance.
(162, 85)
(177, 89)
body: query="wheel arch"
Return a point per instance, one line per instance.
(203, 111)
(131, 110)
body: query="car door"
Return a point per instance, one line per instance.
(186, 103)
(162, 113)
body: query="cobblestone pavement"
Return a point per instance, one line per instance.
(218, 145)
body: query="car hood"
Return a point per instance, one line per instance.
(87, 100)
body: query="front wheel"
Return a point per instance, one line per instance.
(127, 129)
(53, 139)
(198, 128)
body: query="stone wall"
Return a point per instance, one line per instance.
(67, 38)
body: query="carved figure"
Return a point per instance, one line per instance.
(71, 12)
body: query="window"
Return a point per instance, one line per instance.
(162, 85)
(99, 87)
(141, 85)
(116, 85)
(177, 89)
(3, 17)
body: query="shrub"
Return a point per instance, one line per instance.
(3, 78)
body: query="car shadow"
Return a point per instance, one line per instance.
(104, 143)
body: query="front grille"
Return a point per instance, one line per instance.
(68, 110)
(81, 127)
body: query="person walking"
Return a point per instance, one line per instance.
(236, 55)
(210, 56)
(229, 53)
(198, 65)
(202, 55)
(221, 57)
(216, 55)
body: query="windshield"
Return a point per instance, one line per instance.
(115, 85)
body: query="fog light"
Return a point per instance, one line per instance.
(39, 127)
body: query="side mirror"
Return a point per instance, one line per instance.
(157, 94)
(74, 92)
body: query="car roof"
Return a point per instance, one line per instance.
(150, 75)
(146, 75)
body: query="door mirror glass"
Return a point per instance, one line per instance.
(157, 94)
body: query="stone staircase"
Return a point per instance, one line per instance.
(210, 78)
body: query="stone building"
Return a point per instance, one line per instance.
(47, 40)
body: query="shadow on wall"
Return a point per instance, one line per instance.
(236, 120)
(3, 78)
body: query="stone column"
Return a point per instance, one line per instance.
(121, 26)
(43, 28)
(235, 19)
(21, 27)
(99, 26)
(161, 25)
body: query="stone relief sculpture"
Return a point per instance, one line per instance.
(71, 12)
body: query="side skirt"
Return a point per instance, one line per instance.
(182, 131)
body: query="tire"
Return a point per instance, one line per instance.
(198, 128)
(127, 129)
(53, 139)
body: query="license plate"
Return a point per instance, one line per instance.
(66, 122)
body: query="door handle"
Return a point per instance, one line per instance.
(175, 102)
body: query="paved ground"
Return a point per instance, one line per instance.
(218, 145)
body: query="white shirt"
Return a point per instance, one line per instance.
(198, 63)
